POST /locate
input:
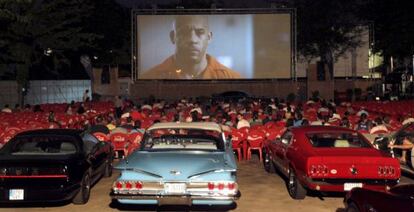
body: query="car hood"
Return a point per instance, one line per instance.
(176, 165)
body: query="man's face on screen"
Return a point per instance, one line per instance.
(191, 38)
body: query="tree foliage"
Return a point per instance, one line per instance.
(113, 23)
(34, 29)
(327, 29)
(393, 25)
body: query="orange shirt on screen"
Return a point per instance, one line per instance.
(168, 70)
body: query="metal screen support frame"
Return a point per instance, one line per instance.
(134, 34)
(294, 43)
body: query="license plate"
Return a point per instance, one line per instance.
(349, 186)
(16, 194)
(175, 188)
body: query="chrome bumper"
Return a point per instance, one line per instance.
(174, 199)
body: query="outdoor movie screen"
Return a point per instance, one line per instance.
(218, 46)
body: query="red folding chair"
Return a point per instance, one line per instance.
(135, 139)
(237, 139)
(120, 142)
(101, 136)
(274, 132)
(255, 139)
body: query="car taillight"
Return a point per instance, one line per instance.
(386, 171)
(138, 185)
(221, 186)
(231, 186)
(318, 170)
(392, 171)
(313, 170)
(210, 186)
(127, 185)
(119, 185)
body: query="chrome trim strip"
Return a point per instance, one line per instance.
(175, 199)
(210, 171)
(142, 171)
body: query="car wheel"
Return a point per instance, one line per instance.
(268, 163)
(108, 168)
(352, 207)
(295, 188)
(82, 196)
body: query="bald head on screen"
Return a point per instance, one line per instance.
(190, 36)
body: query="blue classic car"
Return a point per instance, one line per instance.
(179, 164)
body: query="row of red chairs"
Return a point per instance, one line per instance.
(248, 139)
(13, 123)
(391, 108)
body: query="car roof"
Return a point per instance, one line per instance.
(187, 125)
(70, 132)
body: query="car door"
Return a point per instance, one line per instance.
(94, 154)
(281, 151)
(272, 149)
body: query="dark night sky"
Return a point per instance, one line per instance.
(230, 3)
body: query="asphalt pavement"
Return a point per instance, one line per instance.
(261, 191)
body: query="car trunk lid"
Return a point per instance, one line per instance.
(176, 165)
(21, 169)
(353, 163)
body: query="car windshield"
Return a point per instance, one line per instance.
(182, 139)
(44, 145)
(337, 140)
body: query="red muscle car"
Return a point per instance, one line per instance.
(326, 158)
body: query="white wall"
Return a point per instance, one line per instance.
(44, 91)
(56, 91)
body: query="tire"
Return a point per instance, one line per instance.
(108, 168)
(84, 193)
(268, 163)
(352, 207)
(295, 188)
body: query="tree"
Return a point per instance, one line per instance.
(34, 29)
(113, 23)
(393, 24)
(327, 29)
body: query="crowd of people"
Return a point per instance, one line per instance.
(232, 113)
(128, 116)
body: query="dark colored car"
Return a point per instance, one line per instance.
(399, 198)
(52, 165)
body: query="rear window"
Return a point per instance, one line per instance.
(42, 145)
(182, 139)
(337, 140)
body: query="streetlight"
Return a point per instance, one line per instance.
(47, 51)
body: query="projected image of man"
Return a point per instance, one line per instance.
(191, 36)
